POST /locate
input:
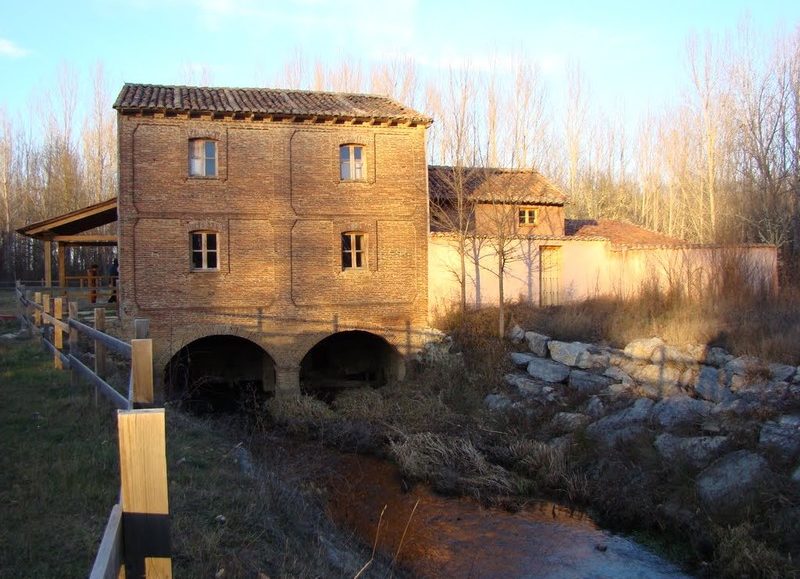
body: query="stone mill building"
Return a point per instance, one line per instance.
(273, 237)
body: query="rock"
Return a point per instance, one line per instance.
(595, 407)
(588, 383)
(675, 355)
(708, 386)
(782, 372)
(530, 388)
(718, 357)
(744, 365)
(569, 421)
(515, 333)
(643, 348)
(659, 391)
(521, 359)
(697, 451)
(688, 378)
(732, 481)
(578, 354)
(737, 407)
(618, 375)
(618, 390)
(621, 426)
(782, 436)
(680, 411)
(796, 474)
(664, 378)
(497, 402)
(548, 370)
(537, 343)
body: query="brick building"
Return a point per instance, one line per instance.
(273, 236)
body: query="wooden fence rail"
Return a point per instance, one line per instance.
(136, 541)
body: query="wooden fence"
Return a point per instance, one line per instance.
(136, 541)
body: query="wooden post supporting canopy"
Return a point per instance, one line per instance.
(48, 263)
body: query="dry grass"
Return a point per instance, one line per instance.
(453, 465)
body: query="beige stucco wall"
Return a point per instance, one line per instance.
(488, 217)
(589, 268)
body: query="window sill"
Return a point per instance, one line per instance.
(202, 178)
(204, 270)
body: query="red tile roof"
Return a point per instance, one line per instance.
(492, 185)
(183, 99)
(618, 232)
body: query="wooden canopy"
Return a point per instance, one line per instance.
(70, 229)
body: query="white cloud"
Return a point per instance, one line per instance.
(11, 50)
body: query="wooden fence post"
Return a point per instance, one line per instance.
(99, 348)
(141, 372)
(46, 309)
(37, 314)
(73, 343)
(144, 496)
(58, 341)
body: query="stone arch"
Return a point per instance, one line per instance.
(218, 368)
(350, 358)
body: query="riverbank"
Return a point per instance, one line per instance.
(460, 426)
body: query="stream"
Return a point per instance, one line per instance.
(458, 537)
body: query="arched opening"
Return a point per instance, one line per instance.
(350, 360)
(219, 374)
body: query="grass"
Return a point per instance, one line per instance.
(58, 468)
(59, 479)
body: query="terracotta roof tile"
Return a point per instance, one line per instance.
(487, 185)
(618, 232)
(146, 97)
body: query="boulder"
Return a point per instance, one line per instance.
(497, 402)
(621, 389)
(782, 436)
(578, 354)
(696, 451)
(643, 348)
(680, 411)
(732, 481)
(548, 370)
(621, 426)
(618, 375)
(718, 357)
(569, 421)
(782, 372)
(744, 365)
(524, 384)
(515, 333)
(735, 407)
(521, 359)
(708, 386)
(537, 343)
(664, 377)
(796, 474)
(595, 407)
(588, 383)
(690, 355)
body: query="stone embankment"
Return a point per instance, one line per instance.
(732, 421)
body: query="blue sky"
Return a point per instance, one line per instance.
(631, 52)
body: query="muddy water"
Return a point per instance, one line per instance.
(453, 537)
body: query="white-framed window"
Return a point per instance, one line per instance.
(202, 158)
(528, 215)
(354, 250)
(352, 163)
(205, 250)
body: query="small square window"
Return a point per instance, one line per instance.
(202, 158)
(353, 250)
(351, 163)
(204, 250)
(527, 215)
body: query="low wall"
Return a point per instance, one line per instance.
(589, 268)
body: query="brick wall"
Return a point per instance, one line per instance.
(279, 208)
